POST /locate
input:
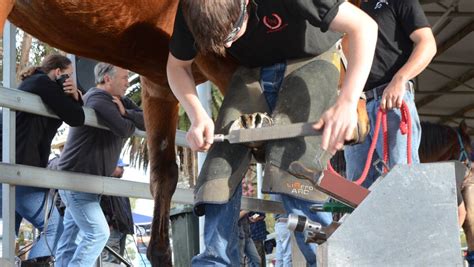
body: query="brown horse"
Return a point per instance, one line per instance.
(444, 143)
(133, 35)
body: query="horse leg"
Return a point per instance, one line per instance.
(217, 70)
(468, 226)
(5, 9)
(161, 114)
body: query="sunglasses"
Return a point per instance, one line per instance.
(238, 24)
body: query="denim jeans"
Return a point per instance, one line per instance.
(356, 155)
(283, 245)
(271, 78)
(30, 205)
(220, 227)
(221, 234)
(247, 246)
(83, 214)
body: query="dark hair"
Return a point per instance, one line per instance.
(355, 2)
(49, 63)
(210, 22)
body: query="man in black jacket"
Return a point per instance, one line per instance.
(95, 151)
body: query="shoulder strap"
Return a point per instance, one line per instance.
(52, 195)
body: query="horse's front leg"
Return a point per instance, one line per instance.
(161, 114)
(5, 9)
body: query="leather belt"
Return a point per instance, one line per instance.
(378, 91)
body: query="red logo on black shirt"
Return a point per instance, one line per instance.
(274, 23)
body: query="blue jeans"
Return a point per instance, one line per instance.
(283, 245)
(221, 234)
(220, 227)
(30, 204)
(356, 155)
(247, 246)
(271, 78)
(221, 231)
(84, 214)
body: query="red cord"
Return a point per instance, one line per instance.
(371, 149)
(406, 124)
(405, 128)
(385, 140)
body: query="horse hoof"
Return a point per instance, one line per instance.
(158, 259)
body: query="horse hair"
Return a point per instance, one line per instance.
(434, 137)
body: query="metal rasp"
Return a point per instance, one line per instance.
(269, 133)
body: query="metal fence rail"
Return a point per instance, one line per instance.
(31, 103)
(15, 174)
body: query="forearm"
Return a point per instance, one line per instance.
(137, 117)
(109, 114)
(359, 60)
(362, 40)
(423, 52)
(134, 113)
(182, 84)
(123, 127)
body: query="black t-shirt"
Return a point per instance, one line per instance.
(396, 19)
(276, 31)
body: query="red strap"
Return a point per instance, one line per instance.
(385, 139)
(405, 128)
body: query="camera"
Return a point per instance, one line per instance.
(62, 79)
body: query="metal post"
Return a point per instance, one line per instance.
(259, 180)
(8, 153)
(204, 94)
